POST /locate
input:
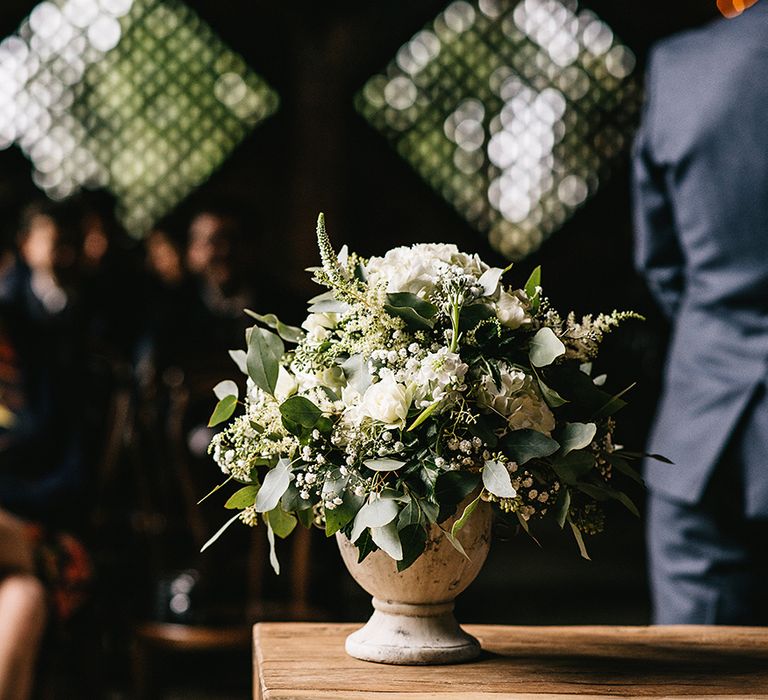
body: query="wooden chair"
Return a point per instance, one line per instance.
(153, 640)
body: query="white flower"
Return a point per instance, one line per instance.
(286, 385)
(438, 374)
(387, 402)
(518, 400)
(510, 311)
(414, 269)
(318, 326)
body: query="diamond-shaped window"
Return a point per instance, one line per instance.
(109, 93)
(513, 112)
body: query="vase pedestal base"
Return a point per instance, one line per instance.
(412, 635)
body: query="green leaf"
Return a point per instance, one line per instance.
(344, 513)
(524, 445)
(365, 545)
(468, 510)
(576, 436)
(579, 540)
(306, 517)
(496, 480)
(411, 514)
(220, 531)
(383, 465)
(562, 506)
(282, 523)
(375, 513)
(275, 484)
(300, 410)
(603, 492)
(288, 333)
(238, 357)
(356, 371)
(223, 411)
(573, 466)
(533, 282)
(243, 498)
(614, 404)
(226, 388)
(416, 312)
(272, 553)
(455, 543)
(553, 399)
(470, 316)
(265, 351)
(453, 487)
(426, 413)
(545, 347)
(387, 538)
(622, 466)
(484, 431)
(413, 539)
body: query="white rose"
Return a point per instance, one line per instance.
(318, 326)
(286, 385)
(387, 402)
(510, 311)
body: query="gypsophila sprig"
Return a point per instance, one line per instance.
(419, 379)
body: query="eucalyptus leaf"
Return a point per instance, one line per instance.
(496, 480)
(576, 436)
(451, 488)
(275, 484)
(223, 411)
(239, 358)
(301, 410)
(562, 506)
(282, 523)
(375, 513)
(388, 540)
(384, 464)
(553, 399)
(356, 371)
(220, 531)
(622, 466)
(579, 540)
(226, 388)
(525, 444)
(455, 543)
(545, 347)
(288, 333)
(329, 306)
(243, 498)
(342, 514)
(422, 307)
(265, 350)
(272, 552)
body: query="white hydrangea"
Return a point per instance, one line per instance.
(414, 269)
(518, 400)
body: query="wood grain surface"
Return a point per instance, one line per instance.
(298, 661)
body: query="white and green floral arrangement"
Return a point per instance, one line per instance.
(419, 380)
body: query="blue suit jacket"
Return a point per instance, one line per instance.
(701, 219)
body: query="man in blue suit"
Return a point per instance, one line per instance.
(701, 219)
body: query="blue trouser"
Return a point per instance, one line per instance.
(706, 567)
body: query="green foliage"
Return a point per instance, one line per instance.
(574, 466)
(451, 488)
(275, 484)
(496, 480)
(523, 445)
(290, 334)
(243, 498)
(223, 411)
(265, 349)
(417, 313)
(300, 411)
(464, 519)
(545, 347)
(413, 538)
(576, 436)
(384, 464)
(387, 538)
(282, 523)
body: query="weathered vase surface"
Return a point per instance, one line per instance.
(413, 620)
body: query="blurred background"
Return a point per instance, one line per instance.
(162, 167)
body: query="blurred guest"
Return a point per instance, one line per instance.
(701, 198)
(109, 277)
(215, 258)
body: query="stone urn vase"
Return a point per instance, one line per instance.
(413, 621)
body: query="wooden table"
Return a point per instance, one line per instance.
(307, 660)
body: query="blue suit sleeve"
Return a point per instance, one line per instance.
(658, 256)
